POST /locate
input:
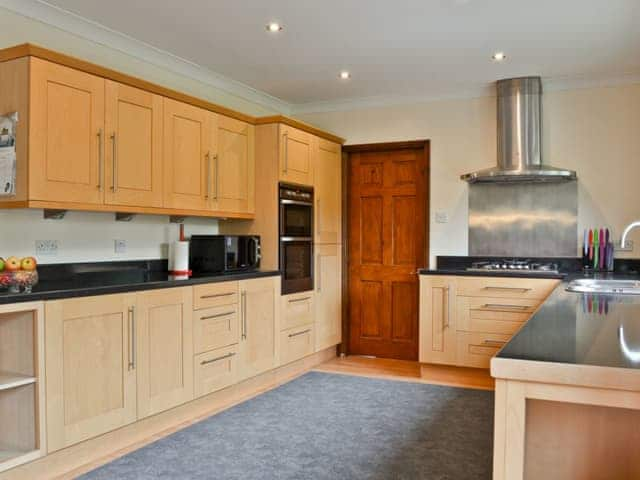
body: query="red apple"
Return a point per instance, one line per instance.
(28, 263)
(12, 264)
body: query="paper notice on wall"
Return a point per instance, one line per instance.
(8, 154)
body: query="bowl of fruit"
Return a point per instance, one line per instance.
(18, 274)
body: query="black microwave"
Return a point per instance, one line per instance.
(223, 253)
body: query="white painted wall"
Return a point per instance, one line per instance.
(595, 131)
(85, 236)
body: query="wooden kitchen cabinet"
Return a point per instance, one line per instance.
(90, 367)
(164, 349)
(328, 192)
(437, 320)
(328, 296)
(66, 133)
(187, 156)
(132, 146)
(296, 156)
(233, 170)
(259, 325)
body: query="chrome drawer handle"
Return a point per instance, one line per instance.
(217, 359)
(218, 315)
(518, 289)
(490, 306)
(302, 299)
(100, 159)
(291, 335)
(493, 343)
(217, 295)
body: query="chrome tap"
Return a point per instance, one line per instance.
(631, 226)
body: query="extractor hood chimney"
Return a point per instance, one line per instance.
(519, 132)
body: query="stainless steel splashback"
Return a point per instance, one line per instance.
(523, 220)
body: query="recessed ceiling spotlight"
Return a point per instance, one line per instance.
(499, 56)
(344, 75)
(274, 27)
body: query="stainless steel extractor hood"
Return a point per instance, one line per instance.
(519, 132)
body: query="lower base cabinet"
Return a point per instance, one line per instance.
(328, 296)
(296, 343)
(259, 325)
(215, 370)
(90, 382)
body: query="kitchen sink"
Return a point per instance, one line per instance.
(620, 287)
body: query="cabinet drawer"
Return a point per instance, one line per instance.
(493, 315)
(297, 309)
(215, 328)
(215, 370)
(215, 294)
(477, 349)
(296, 343)
(504, 287)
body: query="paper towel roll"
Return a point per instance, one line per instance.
(179, 257)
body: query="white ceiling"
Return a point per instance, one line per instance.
(399, 48)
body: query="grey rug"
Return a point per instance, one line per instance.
(328, 426)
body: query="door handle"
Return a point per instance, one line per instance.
(114, 166)
(207, 160)
(494, 306)
(100, 160)
(217, 359)
(515, 289)
(217, 168)
(319, 276)
(217, 295)
(243, 306)
(446, 306)
(301, 299)
(132, 338)
(291, 335)
(285, 137)
(493, 343)
(218, 315)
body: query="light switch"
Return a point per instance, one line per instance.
(442, 216)
(120, 246)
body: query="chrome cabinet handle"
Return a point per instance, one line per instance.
(508, 288)
(493, 343)
(132, 338)
(217, 295)
(285, 137)
(243, 305)
(490, 306)
(291, 335)
(217, 359)
(114, 171)
(208, 162)
(319, 276)
(301, 299)
(319, 222)
(218, 315)
(445, 306)
(215, 159)
(100, 160)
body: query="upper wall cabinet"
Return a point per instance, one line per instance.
(66, 134)
(133, 146)
(328, 192)
(234, 165)
(296, 156)
(187, 156)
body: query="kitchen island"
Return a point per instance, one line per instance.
(567, 399)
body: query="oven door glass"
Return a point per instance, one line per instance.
(296, 219)
(296, 261)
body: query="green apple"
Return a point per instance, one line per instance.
(1, 264)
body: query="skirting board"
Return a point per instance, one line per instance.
(111, 445)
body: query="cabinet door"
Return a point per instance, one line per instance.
(234, 166)
(437, 320)
(66, 134)
(328, 296)
(90, 367)
(133, 146)
(164, 349)
(259, 325)
(328, 192)
(296, 165)
(187, 156)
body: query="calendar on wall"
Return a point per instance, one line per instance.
(8, 125)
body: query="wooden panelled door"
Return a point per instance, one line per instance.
(388, 243)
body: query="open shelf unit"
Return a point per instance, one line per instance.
(21, 384)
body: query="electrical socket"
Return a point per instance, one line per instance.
(442, 216)
(119, 246)
(47, 247)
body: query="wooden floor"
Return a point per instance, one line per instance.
(410, 371)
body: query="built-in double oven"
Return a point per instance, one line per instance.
(296, 238)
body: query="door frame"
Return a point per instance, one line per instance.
(347, 151)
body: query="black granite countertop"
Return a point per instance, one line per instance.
(581, 329)
(87, 279)
(491, 273)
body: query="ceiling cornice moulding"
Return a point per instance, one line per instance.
(95, 32)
